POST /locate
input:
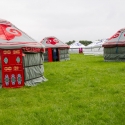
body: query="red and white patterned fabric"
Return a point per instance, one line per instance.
(117, 40)
(53, 42)
(11, 37)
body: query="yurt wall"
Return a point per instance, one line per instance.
(46, 57)
(114, 54)
(33, 68)
(64, 54)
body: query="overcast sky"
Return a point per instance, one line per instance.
(65, 19)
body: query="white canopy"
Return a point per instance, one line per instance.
(77, 45)
(96, 44)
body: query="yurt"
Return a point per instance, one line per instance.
(21, 58)
(76, 47)
(114, 47)
(55, 50)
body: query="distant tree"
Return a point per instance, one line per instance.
(70, 42)
(85, 42)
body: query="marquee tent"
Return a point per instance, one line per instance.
(21, 58)
(114, 48)
(95, 48)
(55, 50)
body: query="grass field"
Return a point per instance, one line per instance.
(83, 91)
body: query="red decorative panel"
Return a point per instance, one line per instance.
(12, 68)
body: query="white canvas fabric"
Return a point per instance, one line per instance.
(77, 45)
(74, 47)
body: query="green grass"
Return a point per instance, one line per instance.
(83, 91)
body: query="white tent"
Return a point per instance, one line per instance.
(96, 44)
(95, 48)
(74, 47)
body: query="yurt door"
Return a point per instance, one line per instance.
(55, 54)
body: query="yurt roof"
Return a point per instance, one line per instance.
(117, 40)
(12, 38)
(53, 42)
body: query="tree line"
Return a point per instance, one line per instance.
(84, 42)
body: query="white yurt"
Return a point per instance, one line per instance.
(76, 47)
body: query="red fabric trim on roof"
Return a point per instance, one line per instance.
(114, 44)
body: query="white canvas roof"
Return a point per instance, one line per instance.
(96, 44)
(77, 45)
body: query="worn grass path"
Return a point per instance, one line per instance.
(83, 91)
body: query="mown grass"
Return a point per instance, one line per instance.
(83, 91)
